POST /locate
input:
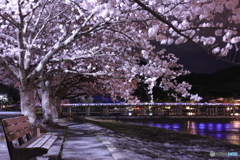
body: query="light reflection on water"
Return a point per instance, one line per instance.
(228, 130)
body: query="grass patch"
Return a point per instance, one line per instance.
(154, 134)
(144, 132)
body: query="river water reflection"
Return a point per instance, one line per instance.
(223, 129)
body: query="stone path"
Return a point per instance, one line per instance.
(82, 144)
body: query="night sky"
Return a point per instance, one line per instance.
(196, 60)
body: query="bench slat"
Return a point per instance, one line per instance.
(50, 141)
(17, 127)
(10, 121)
(41, 142)
(24, 145)
(35, 142)
(18, 134)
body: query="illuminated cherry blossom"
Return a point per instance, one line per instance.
(108, 39)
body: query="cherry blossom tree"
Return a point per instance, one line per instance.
(211, 25)
(63, 86)
(92, 38)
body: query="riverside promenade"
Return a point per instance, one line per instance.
(84, 140)
(78, 142)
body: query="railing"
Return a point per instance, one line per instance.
(151, 109)
(4, 114)
(149, 104)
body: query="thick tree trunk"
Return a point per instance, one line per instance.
(55, 103)
(59, 108)
(45, 101)
(28, 103)
(49, 104)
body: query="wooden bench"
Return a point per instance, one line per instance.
(18, 130)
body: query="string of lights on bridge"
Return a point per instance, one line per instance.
(147, 104)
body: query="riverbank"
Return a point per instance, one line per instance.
(161, 117)
(226, 129)
(143, 142)
(96, 139)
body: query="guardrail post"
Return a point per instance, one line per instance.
(142, 111)
(69, 110)
(105, 111)
(124, 111)
(87, 111)
(155, 111)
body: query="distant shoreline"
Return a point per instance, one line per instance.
(159, 117)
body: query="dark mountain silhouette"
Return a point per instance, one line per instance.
(223, 83)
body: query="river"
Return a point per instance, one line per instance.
(222, 129)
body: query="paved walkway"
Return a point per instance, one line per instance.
(81, 144)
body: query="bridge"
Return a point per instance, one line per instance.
(149, 104)
(166, 109)
(171, 110)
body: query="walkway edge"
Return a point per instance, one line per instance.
(117, 155)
